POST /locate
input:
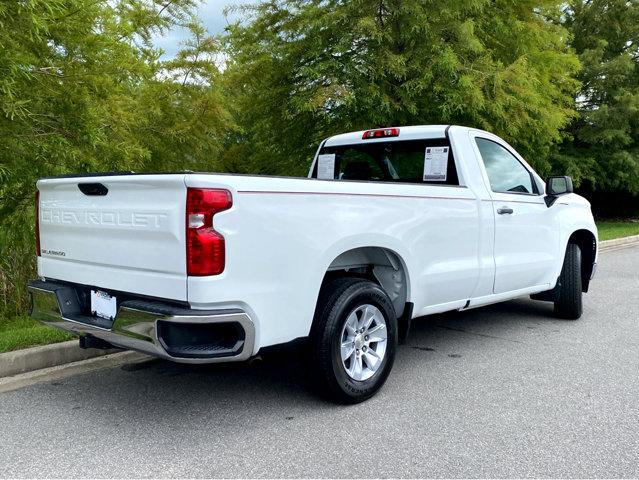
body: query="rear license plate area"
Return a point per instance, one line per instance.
(103, 305)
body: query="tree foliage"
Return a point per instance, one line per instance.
(604, 142)
(300, 70)
(82, 89)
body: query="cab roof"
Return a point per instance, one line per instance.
(415, 132)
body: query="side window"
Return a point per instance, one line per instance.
(505, 172)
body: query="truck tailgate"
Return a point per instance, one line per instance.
(121, 232)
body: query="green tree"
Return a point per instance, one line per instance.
(82, 89)
(301, 70)
(605, 137)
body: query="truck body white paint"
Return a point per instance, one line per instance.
(283, 234)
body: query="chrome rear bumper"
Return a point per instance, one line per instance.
(139, 325)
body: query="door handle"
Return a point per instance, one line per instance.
(505, 211)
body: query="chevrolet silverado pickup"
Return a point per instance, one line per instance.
(391, 224)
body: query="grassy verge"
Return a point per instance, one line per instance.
(22, 332)
(610, 229)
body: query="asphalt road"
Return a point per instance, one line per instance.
(503, 391)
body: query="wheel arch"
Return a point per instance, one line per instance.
(381, 265)
(587, 242)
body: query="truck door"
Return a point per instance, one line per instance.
(526, 236)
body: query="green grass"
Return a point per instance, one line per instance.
(609, 229)
(22, 332)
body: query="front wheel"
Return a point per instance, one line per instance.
(568, 303)
(353, 340)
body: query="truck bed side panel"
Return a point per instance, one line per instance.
(282, 235)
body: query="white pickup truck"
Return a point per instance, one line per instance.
(391, 224)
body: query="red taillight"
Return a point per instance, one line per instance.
(37, 221)
(204, 246)
(381, 133)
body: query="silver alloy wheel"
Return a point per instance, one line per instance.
(363, 342)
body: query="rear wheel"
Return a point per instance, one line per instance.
(353, 340)
(568, 303)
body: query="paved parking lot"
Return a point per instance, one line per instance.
(503, 391)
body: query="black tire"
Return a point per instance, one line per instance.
(568, 304)
(338, 299)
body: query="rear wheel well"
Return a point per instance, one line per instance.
(378, 265)
(588, 246)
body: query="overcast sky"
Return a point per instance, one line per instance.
(211, 13)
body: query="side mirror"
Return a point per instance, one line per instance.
(556, 186)
(559, 186)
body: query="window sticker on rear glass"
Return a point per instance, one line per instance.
(326, 166)
(436, 164)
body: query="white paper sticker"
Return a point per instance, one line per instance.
(326, 166)
(436, 164)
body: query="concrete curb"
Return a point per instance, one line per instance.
(36, 358)
(618, 242)
(65, 370)
(22, 361)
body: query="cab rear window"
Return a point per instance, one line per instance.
(408, 161)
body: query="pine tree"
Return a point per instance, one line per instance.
(82, 89)
(299, 71)
(604, 144)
